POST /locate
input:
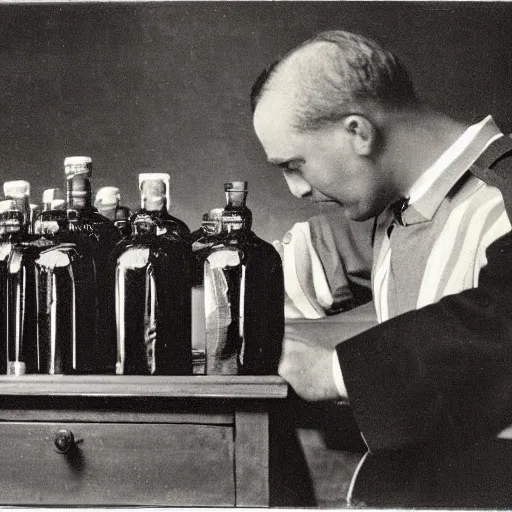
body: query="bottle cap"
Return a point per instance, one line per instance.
(77, 160)
(51, 194)
(107, 196)
(236, 186)
(154, 187)
(74, 165)
(17, 189)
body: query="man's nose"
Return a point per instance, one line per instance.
(298, 186)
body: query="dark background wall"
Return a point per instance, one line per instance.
(164, 87)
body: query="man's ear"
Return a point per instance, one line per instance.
(364, 134)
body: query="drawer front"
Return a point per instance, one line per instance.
(117, 464)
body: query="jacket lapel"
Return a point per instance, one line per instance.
(494, 167)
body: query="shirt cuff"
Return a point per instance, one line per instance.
(337, 375)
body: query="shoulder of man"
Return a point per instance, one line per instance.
(494, 167)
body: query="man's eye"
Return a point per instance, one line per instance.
(292, 166)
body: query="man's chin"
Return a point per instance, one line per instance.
(351, 211)
(357, 215)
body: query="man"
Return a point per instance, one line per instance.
(431, 385)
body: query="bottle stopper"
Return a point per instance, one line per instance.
(17, 189)
(74, 165)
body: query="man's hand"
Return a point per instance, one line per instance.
(307, 367)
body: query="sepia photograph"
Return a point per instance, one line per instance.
(256, 254)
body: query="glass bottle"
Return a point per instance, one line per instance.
(151, 271)
(85, 220)
(9, 231)
(263, 309)
(25, 323)
(64, 280)
(244, 296)
(107, 201)
(20, 303)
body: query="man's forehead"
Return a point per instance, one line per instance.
(273, 124)
(274, 110)
(280, 101)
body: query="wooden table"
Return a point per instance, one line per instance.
(149, 441)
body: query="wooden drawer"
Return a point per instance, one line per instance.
(117, 464)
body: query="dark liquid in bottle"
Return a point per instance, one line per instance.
(102, 236)
(244, 306)
(21, 305)
(5, 250)
(223, 273)
(152, 289)
(263, 310)
(66, 301)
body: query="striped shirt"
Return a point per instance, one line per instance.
(451, 219)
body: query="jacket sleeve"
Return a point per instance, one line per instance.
(440, 376)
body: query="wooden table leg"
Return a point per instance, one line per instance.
(252, 459)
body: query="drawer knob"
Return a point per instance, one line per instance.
(64, 441)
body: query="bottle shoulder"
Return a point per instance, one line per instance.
(147, 249)
(92, 225)
(250, 247)
(152, 242)
(164, 218)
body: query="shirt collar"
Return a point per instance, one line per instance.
(429, 190)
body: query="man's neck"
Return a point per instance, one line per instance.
(416, 139)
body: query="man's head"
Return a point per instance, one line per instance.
(318, 113)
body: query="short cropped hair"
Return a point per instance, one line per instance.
(349, 70)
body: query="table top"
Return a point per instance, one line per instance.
(198, 386)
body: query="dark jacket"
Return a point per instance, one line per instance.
(432, 388)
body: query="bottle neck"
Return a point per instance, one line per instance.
(34, 212)
(122, 213)
(11, 223)
(153, 203)
(235, 206)
(50, 222)
(122, 220)
(212, 227)
(235, 198)
(144, 225)
(22, 206)
(108, 211)
(233, 225)
(79, 194)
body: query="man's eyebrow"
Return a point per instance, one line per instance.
(282, 163)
